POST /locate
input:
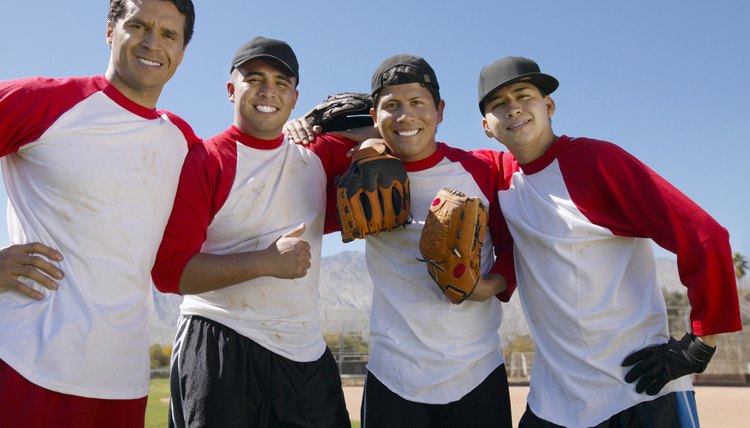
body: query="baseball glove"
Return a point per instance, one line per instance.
(340, 112)
(451, 242)
(373, 195)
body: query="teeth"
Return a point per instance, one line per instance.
(266, 109)
(148, 62)
(517, 125)
(408, 133)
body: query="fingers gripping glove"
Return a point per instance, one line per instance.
(656, 365)
(340, 112)
(373, 195)
(451, 242)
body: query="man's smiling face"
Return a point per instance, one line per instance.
(147, 47)
(264, 94)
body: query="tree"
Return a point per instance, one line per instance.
(678, 309)
(158, 358)
(740, 265)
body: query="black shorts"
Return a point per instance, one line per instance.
(220, 378)
(674, 410)
(488, 405)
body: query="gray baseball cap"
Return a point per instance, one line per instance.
(261, 47)
(509, 70)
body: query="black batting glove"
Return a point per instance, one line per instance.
(656, 365)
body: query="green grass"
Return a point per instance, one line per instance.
(158, 405)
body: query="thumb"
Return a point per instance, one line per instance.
(296, 232)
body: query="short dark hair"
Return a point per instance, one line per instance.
(395, 75)
(185, 7)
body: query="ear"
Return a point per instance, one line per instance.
(109, 32)
(182, 55)
(374, 116)
(487, 130)
(441, 107)
(550, 106)
(230, 91)
(296, 96)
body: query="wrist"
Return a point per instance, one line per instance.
(709, 340)
(698, 351)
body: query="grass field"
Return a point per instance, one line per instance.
(158, 405)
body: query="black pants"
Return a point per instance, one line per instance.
(662, 412)
(487, 406)
(220, 378)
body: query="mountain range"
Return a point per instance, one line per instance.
(346, 294)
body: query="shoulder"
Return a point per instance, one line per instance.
(41, 85)
(591, 147)
(183, 126)
(48, 93)
(589, 153)
(474, 159)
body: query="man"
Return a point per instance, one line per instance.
(579, 211)
(243, 246)
(432, 364)
(90, 169)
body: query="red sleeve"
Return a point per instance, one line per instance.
(486, 168)
(183, 126)
(206, 179)
(28, 107)
(615, 190)
(332, 149)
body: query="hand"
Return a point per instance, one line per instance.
(656, 365)
(290, 255)
(300, 131)
(377, 144)
(487, 287)
(26, 261)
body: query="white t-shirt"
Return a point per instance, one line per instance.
(92, 174)
(424, 348)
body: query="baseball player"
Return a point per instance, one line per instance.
(432, 363)
(243, 247)
(85, 216)
(579, 211)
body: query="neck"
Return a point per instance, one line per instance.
(147, 99)
(533, 152)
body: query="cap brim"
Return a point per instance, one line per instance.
(544, 82)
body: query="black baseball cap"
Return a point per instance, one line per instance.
(509, 70)
(261, 47)
(424, 73)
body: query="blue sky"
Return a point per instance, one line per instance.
(667, 80)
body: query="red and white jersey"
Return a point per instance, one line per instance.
(580, 217)
(238, 193)
(92, 174)
(422, 347)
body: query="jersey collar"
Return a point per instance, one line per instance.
(256, 143)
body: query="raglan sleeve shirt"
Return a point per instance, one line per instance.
(615, 190)
(92, 174)
(206, 180)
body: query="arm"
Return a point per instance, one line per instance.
(488, 286)
(630, 199)
(501, 280)
(288, 258)
(346, 114)
(27, 108)
(205, 182)
(300, 131)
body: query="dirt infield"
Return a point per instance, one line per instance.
(718, 406)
